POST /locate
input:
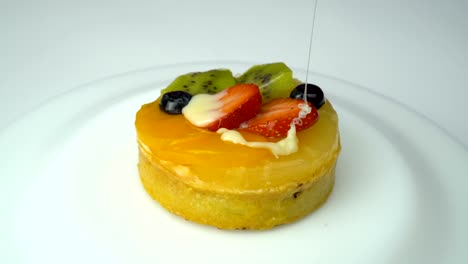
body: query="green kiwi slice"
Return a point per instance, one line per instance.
(275, 80)
(208, 82)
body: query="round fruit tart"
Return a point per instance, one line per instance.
(247, 152)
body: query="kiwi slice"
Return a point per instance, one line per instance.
(275, 80)
(208, 82)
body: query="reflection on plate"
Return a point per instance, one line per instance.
(70, 192)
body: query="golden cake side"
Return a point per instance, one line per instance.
(262, 209)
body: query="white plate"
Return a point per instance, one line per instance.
(70, 192)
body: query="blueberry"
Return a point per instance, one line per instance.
(314, 94)
(173, 102)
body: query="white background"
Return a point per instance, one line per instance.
(413, 51)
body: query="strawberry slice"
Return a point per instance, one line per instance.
(276, 116)
(237, 104)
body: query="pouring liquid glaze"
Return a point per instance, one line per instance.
(289, 144)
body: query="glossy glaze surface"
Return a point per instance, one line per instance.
(204, 160)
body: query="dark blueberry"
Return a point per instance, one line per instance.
(314, 94)
(173, 102)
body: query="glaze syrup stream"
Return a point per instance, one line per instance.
(310, 49)
(305, 109)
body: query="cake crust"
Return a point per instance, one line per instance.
(262, 209)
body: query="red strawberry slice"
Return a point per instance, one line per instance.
(276, 116)
(239, 103)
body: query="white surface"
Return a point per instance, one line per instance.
(414, 51)
(74, 195)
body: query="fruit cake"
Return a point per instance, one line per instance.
(248, 152)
